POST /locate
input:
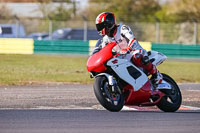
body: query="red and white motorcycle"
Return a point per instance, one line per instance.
(119, 82)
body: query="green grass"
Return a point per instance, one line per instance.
(26, 69)
(182, 71)
(38, 69)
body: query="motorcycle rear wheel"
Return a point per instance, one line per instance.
(172, 101)
(105, 96)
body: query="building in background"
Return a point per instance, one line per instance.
(31, 8)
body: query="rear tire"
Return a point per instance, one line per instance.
(104, 95)
(172, 101)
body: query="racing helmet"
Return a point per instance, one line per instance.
(105, 23)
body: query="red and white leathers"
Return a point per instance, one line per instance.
(125, 40)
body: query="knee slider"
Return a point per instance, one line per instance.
(145, 60)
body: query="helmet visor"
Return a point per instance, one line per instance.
(100, 26)
(109, 25)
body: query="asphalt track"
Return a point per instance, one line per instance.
(82, 119)
(65, 96)
(98, 121)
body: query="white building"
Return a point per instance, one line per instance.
(33, 9)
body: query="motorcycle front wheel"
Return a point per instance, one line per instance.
(172, 99)
(112, 101)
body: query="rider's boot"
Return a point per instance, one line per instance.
(156, 75)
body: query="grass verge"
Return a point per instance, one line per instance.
(38, 69)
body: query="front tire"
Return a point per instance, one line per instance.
(113, 102)
(172, 99)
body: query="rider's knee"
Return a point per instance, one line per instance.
(145, 60)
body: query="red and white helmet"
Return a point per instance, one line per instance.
(105, 22)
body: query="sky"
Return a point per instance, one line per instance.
(31, 9)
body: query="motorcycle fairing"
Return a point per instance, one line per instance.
(138, 97)
(128, 72)
(156, 57)
(96, 62)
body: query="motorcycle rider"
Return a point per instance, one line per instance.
(125, 39)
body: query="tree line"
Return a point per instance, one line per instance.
(146, 10)
(125, 10)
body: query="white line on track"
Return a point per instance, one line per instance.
(97, 107)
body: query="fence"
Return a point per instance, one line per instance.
(175, 33)
(29, 46)
(178, 50)
(61, 47)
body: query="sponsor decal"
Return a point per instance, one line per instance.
(125, 27)
(115, 61)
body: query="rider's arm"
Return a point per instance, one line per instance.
(130, 38)
(98, 46)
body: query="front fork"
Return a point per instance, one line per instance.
(112, 82)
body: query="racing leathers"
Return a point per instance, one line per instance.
(125, 40)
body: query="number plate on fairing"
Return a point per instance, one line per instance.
(128, 72)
